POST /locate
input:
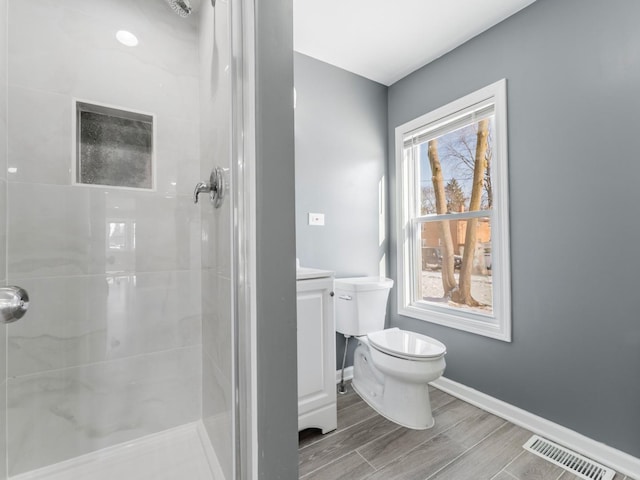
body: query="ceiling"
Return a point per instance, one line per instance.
(385, 41)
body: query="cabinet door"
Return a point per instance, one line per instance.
(316, 354)
(311, 345)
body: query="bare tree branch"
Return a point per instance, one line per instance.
(449, 283)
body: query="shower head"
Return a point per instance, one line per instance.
(181, 7)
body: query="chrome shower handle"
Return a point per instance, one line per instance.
(14, 302)
(201, 187)
(215, 187)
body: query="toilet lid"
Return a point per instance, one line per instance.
(401, 343)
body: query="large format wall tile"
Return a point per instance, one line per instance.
(217, 411)
(217, 323)
(177, 155)
(61, 414)
(60, 230)
(215, 88)
(50, 232)
(3, 229)
(146, 16)
(217, 381)
(3, 116)
(56, 49)
(216, 225)
(46, 117)
(3, 91)
(74, 321)
(3, 329)
(167, 234)
(111, 349)
(3, 424)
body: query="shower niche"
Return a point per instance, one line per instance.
(113, 147)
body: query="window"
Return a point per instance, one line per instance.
(453, 221)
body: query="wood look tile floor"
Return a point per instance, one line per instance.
(466, 443)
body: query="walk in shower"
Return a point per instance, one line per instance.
(111, 111)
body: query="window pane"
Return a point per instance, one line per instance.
(454, 157)
(443, 276)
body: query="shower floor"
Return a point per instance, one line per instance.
(177, 454)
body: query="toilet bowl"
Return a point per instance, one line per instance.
(392, 375)
(392, 367)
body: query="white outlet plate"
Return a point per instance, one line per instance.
(316, 219)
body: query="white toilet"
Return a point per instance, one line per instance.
(391, 367)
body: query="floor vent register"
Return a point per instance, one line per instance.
(576, 464)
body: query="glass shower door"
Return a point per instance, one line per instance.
(110, 105)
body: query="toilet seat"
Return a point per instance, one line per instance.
(408, 345)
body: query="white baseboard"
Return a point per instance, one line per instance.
(348, 374)
(621, 462)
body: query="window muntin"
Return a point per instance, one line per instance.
(453, 196)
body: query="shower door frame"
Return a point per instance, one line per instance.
(243, 174)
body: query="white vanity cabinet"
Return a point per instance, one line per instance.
(316, 351)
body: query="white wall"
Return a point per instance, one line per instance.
(110, 349)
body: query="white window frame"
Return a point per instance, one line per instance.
(498, 324)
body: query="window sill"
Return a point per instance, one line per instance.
(490, 327)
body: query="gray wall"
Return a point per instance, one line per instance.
(340, 146)
(276, 289)
(573, 70)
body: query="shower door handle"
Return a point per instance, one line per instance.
(14, 302)
(201, 187)
(215, 187)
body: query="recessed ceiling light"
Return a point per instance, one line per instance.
(127, 38)
(12, 169)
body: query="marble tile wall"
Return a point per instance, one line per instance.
(3, 230)
(111, 347)
(217, 281)
(73, 411)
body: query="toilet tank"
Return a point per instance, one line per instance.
(361, 304)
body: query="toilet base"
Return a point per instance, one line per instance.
(376, 406)
(403, 403)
